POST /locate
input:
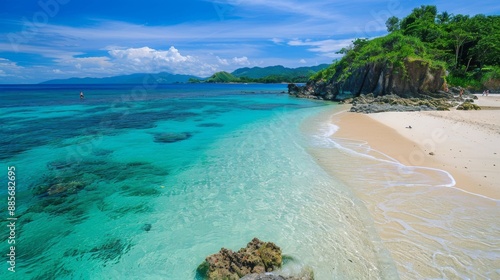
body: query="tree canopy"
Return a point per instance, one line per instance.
(465, 43)
(467, 46)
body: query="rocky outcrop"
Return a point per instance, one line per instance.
(415, 78)
(392, 103)
(257, 257)
(468, 105)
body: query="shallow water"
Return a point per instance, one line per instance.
(144, 182)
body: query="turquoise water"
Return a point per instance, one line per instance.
(143, 182)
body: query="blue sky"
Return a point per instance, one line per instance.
(52, 39)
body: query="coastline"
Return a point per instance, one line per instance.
(462, 143)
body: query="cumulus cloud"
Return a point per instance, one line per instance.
(241, 60)
(121, 61)
(148, 55)
(302, 61)
(146, 59)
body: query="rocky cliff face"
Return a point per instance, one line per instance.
(414, 79)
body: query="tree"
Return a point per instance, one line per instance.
(421, 23)
(392, 24)
(460, 36)
(444, 18)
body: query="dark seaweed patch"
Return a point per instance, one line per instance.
(58, 191)
(110, 251)
(56, 271)
(32, 133)
(210, 125)
(171, 137)
(101, 152)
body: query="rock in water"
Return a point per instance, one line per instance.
(146, 227)
(257, 257)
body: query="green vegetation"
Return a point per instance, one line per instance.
(271, 74)
(278, 73)
(468, 47)
(222, 77)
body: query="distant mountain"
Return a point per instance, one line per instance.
(222, 77)
(261, 72)
(139, 78)
(271, 74)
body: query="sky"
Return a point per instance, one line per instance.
(57, 39)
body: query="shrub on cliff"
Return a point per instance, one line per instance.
(393, 49)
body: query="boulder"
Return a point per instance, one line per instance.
(468, 106)
(257, 257)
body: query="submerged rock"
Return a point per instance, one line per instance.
(146, 227)
(257, 257)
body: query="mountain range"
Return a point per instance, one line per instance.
(138, 78)
(254, 74)
(261, 72)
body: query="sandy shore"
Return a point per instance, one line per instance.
(464, 143)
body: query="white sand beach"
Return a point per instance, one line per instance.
(435, 206)
(464, 143)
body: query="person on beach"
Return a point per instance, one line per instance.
(461, 92)
(484, 92)
(81, 95)
(487, 92)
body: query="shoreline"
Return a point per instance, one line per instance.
(462, 143)
(427, 213)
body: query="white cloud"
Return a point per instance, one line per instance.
(9, 68)
(303, 61)
(148, 55)
(146, 59)
(277, 41)
(222, 61)
(325, 47)
(241, 60)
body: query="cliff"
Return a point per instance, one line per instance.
(417, 78)
(393, 64)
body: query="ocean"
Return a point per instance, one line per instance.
(145, 181)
